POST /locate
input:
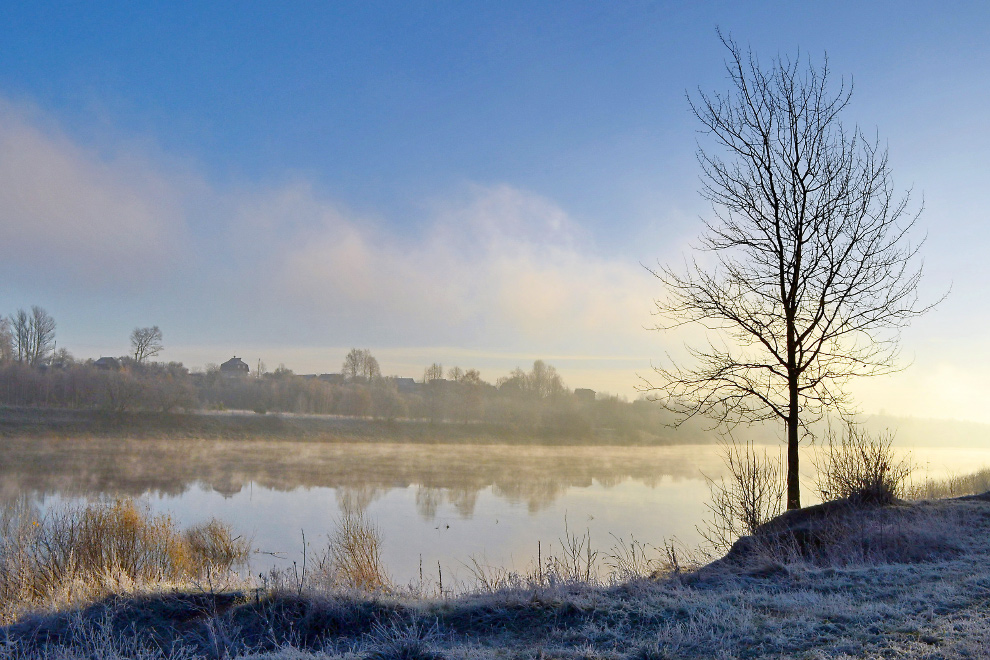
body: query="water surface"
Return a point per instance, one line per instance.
(434, 504)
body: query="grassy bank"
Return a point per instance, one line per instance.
(79, 423)
(834, 581)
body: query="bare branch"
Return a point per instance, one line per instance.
(814, 276)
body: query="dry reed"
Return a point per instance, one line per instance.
(73, 554)
(352, 559)
(953, 486)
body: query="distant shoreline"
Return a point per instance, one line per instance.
(247, 425)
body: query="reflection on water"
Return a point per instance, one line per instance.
(435, 504)
(362, 473)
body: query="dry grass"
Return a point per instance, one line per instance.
(75, 554)
(954, 486)
(352, 559)
(575, 560)
(900, 581)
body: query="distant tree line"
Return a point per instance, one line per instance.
(32, 373)
(525, 401)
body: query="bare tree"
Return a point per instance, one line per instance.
(21, 334)
(812, 274)
(361, 364)
(33, 335)
(6, 340)
(435, 390)
(544, 380)
(434, 372)
(146, 343)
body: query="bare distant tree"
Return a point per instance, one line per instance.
(146, 343)
(33, 335)
(62, 358)
(352, 364)
(435, 391)
(6, 341)
(433, 372)
(811, 274)
(20, 324)
(361, 364)
(544, 380)
(371, 369)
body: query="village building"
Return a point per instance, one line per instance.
(584, 395)
(107, 363)
(235, 367)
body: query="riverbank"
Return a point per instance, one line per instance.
(909, 580)
(31, 422)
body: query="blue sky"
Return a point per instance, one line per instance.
(474, 183)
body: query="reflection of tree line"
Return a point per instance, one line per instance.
(441, 474)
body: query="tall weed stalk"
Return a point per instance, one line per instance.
(751, 494)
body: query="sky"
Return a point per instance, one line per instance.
(479, 184)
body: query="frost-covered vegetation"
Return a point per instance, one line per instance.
(72, 555)
(838, 580)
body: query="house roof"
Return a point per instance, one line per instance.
(235, 363)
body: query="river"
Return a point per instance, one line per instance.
(438, 507)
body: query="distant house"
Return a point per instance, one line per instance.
(584, 395)
(333, 379)
(405, 385)
(107, 364)
(234, 368)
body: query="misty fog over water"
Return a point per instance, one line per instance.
(434, 504)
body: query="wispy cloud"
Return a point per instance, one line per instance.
(501, 266)
(493, 267)
(71, 214)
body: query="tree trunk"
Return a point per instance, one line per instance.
(793, 476)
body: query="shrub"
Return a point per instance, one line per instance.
(213, 544)
(751, 495)
(861, 467)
